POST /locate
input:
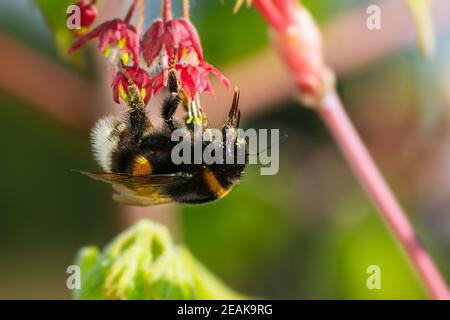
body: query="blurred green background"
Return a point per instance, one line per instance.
(308, 232)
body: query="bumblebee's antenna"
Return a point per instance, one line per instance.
(235, 115)
(269, 147)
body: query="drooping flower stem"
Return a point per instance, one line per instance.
(186, 9)
(166, 10)
(299, 43)
(336, 119)
(131, 11)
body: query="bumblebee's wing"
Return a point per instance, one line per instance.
(140, 190)
(138, 181)
(130, 197)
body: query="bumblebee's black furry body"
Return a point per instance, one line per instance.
(138, 151)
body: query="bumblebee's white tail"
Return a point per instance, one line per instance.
(105, 139)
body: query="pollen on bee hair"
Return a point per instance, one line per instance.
(141, 166)
(105, 139)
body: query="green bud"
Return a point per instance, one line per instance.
(143, 263)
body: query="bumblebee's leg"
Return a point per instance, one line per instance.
(171, 103)
(138, 123)
(169, 107)
(172, 81)
(137, 115)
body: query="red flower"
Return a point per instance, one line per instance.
(117, 39)
(176, 42)
(171, 35)
(195, 78)
(140, 78)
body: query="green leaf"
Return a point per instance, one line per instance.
(86, 260)
(143, 263)
(54, 12)
(425, 31)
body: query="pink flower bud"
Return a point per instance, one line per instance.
(88, 13)
(299, 42)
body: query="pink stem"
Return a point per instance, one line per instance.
(166, 10)
(140, 19)
(131, 11)
(186, 9)
(341, 127)
(332, 113)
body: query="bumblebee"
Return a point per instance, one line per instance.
(136, 156)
